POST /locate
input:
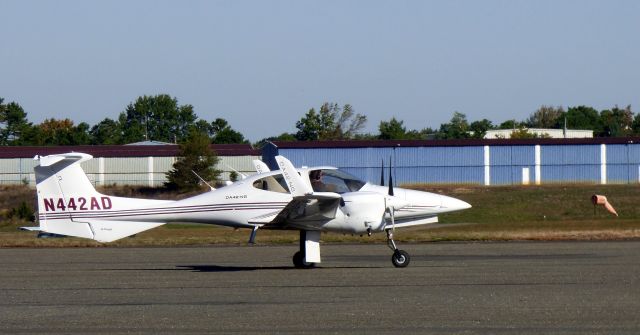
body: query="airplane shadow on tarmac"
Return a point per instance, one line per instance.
(227, 268)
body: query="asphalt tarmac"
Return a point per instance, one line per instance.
(449, 288)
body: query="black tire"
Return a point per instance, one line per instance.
(400, 258)
(298, 261)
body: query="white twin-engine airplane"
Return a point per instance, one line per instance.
(311, 200)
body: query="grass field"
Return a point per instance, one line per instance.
(499, 213)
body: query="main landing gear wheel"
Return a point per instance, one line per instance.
(400, 258)
(298, 261)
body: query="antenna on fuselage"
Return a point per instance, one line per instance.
(242, 175)
(202, 180)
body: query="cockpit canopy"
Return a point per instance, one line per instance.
(322, 180)
(333, 180)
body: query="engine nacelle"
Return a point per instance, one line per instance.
(362, 212)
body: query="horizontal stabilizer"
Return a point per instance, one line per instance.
(31, 228)
(53, 159)
(99, 230)
(108, 231)
(67, 227)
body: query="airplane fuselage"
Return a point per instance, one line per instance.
(238, 204)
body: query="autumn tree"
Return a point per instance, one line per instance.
(60, 132)
(545, 117)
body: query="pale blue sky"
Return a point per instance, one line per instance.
(262, 64)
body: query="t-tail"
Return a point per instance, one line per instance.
(68, 204)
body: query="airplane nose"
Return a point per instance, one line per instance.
(453, 204)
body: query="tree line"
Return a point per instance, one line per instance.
(162, 118)
(157, 118)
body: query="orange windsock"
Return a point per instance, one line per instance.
(602, 200)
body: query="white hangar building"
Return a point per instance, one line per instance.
(137, 164)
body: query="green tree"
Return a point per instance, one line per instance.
(309, 126)
(222, 133)
(195, 156)
(616, 122)
(510, 124)
(158, 118)
(203, 126)
(457, 128)
(15, 124)
(582, 117)
(81, 134)
(479, 128)
(392, 130)
(107, 131)
(524, 133)
(636, 125)
(331, 123)
(285, 137)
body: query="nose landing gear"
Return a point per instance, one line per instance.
(400, 258)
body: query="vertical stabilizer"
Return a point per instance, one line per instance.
(68, 204)
(59, 180)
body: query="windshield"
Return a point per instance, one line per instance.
(327, 180)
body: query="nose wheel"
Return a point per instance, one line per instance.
(400, 258)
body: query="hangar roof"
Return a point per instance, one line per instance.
(448, 143)
(122, 150)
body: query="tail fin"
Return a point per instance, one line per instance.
(59, 174)
(260, 166)
(68, 204)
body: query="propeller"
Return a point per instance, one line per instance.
(390, 208)
(382, 173)
(390, 177)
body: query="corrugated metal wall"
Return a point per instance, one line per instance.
(507, 164)
(474, 164)
(148, 171)
(411, 164)
(488, 165)
(17, 170)
(571, 163)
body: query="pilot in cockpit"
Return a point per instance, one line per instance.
(315, 177)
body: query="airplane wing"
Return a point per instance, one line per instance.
(306, 207)
(307, 210)
(413, 222)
